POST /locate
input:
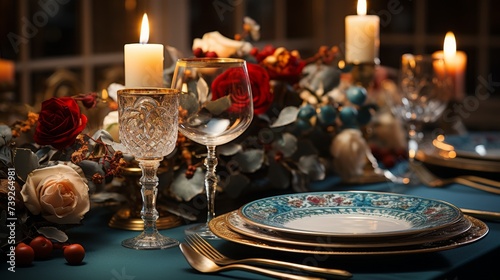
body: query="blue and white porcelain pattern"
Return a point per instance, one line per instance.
(350, 214)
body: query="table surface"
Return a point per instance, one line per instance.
(107, 259)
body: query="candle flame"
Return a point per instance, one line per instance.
(144, 30)
(104, 94)
(361, 7)
(449, 46)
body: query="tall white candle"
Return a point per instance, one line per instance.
(7, 69)
(362, 38)
(455, 66)
(143, 61)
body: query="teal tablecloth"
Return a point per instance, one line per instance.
(107, 259)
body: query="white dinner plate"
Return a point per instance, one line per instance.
(350, 214)
(479, 229)
(237, 224)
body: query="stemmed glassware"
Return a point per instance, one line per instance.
(216, 106)
(148, 119)
(424, 89)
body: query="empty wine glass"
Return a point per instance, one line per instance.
(424, 94)
(216, 106)
(148, 120)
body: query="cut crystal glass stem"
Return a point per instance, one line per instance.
(149, 190)
(150, 238)
(210, 181)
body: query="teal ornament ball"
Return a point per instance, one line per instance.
(348, 115)
(306, 112)
(356, 94)
(327, 115)
(303, 125)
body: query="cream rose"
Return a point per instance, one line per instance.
(58, 193)
(223, 46)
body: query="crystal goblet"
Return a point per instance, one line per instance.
(148, 120)
(216, 107)
(424, 88)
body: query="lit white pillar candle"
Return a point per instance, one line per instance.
(7, 69)
(455, 64)
(143, 61)
(362, 38)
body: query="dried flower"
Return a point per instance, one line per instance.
(88, 100)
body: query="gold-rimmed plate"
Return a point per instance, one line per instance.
(350, 214)
(237, 224)
(433, 157)
(478, 230)
(474, 145)
(474, 152)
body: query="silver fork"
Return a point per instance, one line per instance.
(203, 247)
(431, 180)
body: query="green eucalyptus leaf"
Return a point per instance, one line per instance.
(300, 181)
(90, 168)
(320, 78)
(287, 144)
(44, 154)
(122, 148)
(202, 89)
(217, 107)
(185, 189)
(287, 116)
(312, 166)
(5, 155)
(229, 149)
(104, 136)
(250, 161)
(5, 134)
(53, 233)
(25, 161)
(189, 102)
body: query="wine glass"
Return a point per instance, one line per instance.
(148, 121)
(424, 90)
(215, 107)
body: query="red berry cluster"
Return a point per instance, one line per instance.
(41, 248)
(198, 52)
(388, 156)
(191, 169)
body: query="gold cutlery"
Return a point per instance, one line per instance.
(204, 264)
(431, 180)
(203, 247)
(481, 180)
(482, 214)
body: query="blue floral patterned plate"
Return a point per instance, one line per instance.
(350, 214)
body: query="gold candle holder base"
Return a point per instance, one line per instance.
(129, 217)
(125, 219)
(363, 73)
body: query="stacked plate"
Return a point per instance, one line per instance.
(473, 152)
(349, 223)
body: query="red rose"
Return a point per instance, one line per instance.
(259, 80)
(59, 122)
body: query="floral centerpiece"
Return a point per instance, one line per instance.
(46, 185)
(308, 122)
